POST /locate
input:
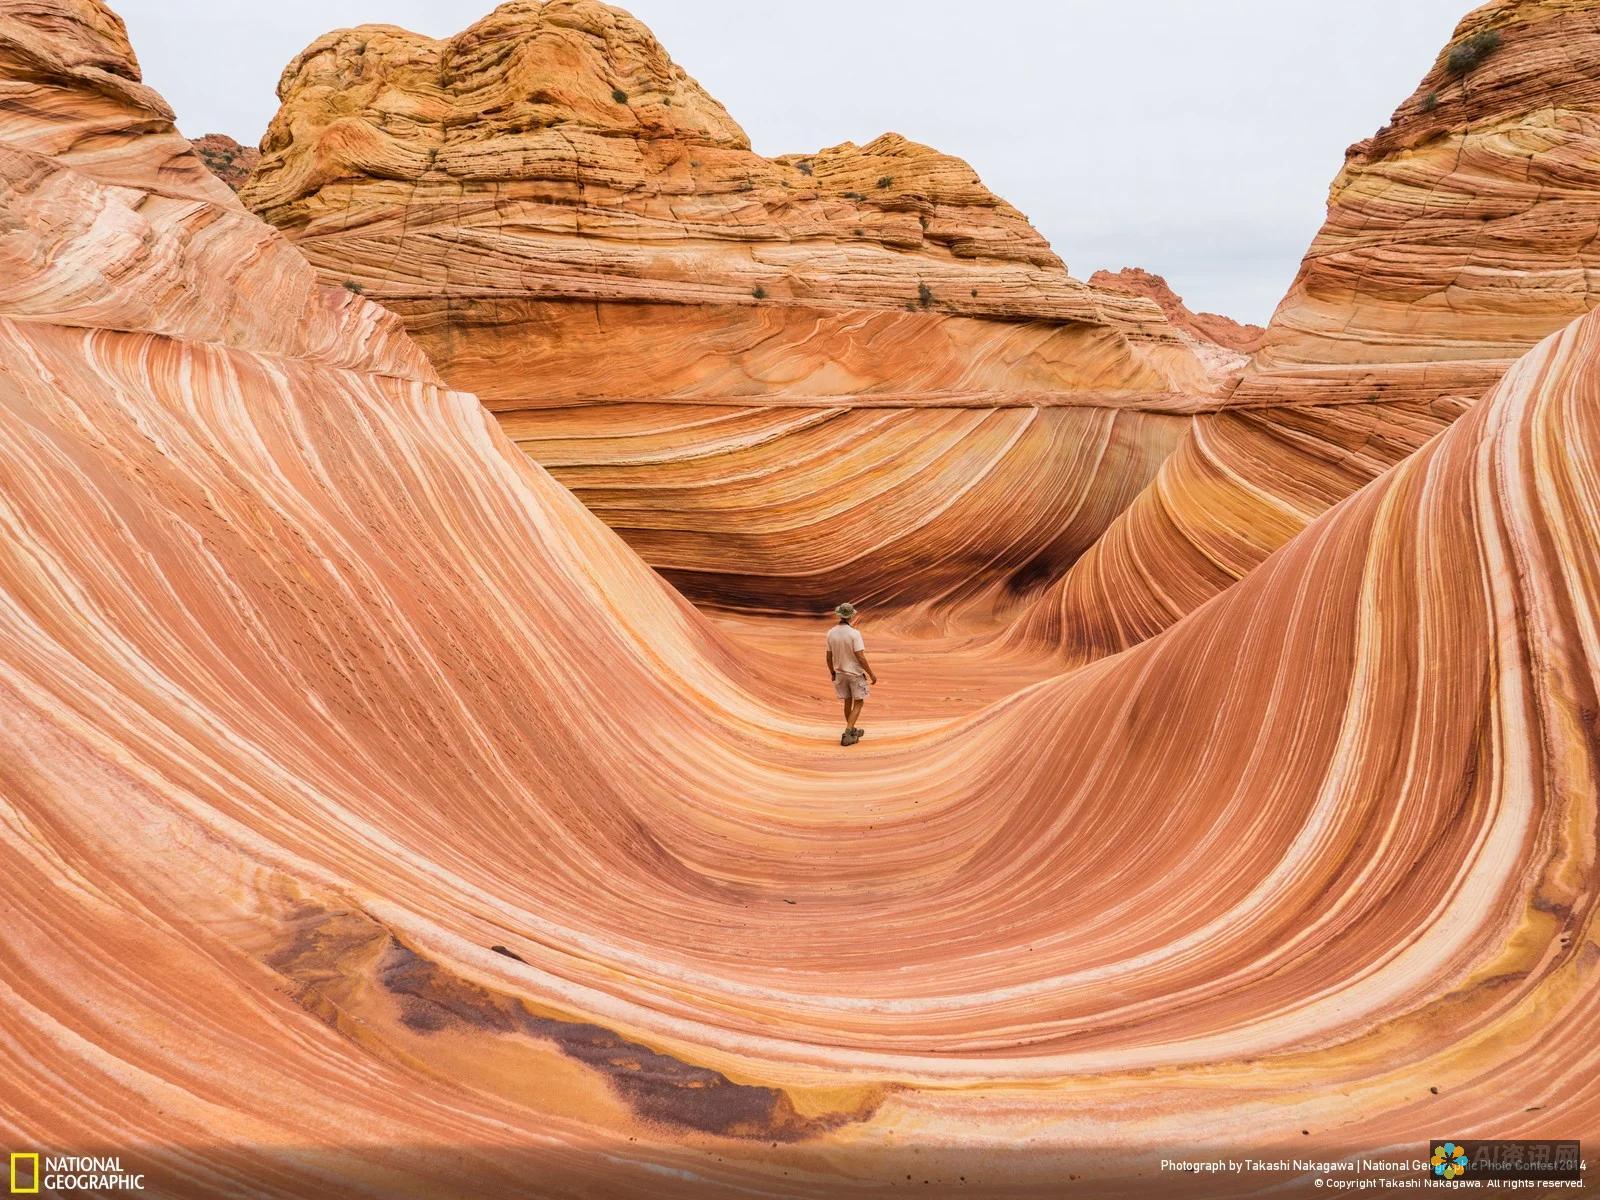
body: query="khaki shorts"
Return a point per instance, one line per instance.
(850, 687)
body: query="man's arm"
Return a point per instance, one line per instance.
(861, 657)
(831, 671)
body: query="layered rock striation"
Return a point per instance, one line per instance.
(782, 380)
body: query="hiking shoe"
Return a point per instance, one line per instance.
(858, 734)
(845, 739)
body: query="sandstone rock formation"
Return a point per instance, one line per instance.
(226, 158)
(1458, 236)
(312, 887)
(782, 380)
(1206, 326)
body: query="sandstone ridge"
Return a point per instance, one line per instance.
(1210, 327)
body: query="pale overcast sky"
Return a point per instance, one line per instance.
(1194, 139)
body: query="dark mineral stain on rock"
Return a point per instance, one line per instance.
(662, 1088)
(431, 999)
(656, 1086)
(328, 950)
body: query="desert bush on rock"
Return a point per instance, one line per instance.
(1473, 51)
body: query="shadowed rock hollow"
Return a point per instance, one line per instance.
(311, 887)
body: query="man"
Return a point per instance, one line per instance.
(849, 670)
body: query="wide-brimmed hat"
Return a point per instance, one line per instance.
(846, 610)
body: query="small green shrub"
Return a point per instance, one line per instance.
(353, 286)
(1430, 102)
(804, 167)
(1473, 51)
(924, 295)
(760, 293)
(854, 196)
(885, 181)
(620, 96)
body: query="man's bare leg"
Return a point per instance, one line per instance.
(848, 705)
(855, 712)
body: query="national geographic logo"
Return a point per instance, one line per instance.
(31, 1172)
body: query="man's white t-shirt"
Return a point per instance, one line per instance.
(845, 641)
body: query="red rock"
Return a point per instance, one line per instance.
(226, 158)
(1210, 327)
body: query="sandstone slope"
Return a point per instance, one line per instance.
(311, 887)
(856, 372)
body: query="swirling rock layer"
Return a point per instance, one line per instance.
(378, 823)
(1457, 237)
(782, 380)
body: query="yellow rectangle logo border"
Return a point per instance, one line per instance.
(12, 1174)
